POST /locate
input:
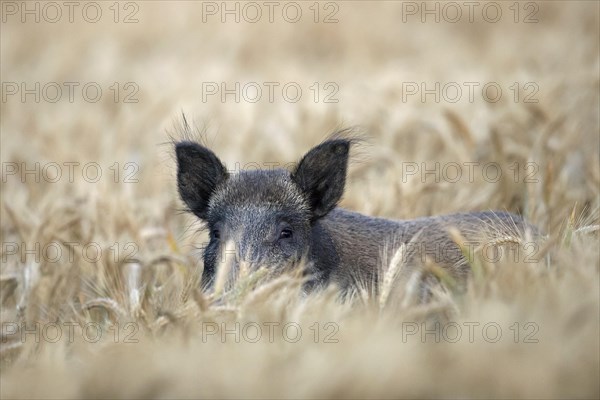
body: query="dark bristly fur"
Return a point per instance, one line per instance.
(278, 218)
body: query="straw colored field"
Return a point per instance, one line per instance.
(99, 279)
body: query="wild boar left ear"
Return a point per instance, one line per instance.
(321, 175)
(199, 171)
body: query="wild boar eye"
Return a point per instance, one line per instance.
(215, 233)
(286, 233)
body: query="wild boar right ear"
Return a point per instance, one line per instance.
(199, 171)
(321, 175)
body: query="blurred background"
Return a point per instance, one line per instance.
(426, 82)
(463, 106)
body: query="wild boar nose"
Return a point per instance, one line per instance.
(252, 248)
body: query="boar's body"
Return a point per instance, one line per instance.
(360, 243)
